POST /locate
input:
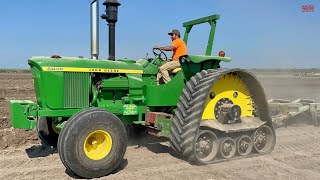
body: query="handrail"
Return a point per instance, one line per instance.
(202, 20)
(212, 20)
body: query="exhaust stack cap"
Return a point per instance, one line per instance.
(111, 15)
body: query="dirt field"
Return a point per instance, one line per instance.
(296, 155)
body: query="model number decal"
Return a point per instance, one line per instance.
(53, 68)
(130, 109)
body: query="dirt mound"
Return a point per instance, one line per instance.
(4, 123)
(16, 137)
(4, 111)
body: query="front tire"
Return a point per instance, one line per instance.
(92, 144)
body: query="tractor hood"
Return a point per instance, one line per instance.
(59, 80)
(67, 64)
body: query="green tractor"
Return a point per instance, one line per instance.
(209, 114)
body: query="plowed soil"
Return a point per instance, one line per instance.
(296, 155)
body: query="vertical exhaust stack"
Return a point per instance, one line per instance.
(94, 9)
(111, 17)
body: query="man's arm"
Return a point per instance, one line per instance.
(165, 48)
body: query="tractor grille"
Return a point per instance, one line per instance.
(76, 89)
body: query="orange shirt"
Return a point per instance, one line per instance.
(179, 49)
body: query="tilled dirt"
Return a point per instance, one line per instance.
(296, 155)
(14, 86)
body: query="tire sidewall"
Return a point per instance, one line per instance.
(76, 134)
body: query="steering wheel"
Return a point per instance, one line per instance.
(159, 55)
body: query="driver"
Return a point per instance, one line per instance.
(179, 48)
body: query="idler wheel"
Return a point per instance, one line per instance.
(206, 147)
(263, 139)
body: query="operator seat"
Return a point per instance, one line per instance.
(176, 70)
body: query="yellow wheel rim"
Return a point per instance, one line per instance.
(97, 145)
(232, 88)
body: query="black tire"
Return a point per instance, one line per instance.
(78, 130)
(187, 116)
(46, 133)
(72, 119)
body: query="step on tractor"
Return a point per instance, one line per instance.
(207, 113)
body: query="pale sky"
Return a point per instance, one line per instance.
(256, 34)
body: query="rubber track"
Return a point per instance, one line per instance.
(190, 107)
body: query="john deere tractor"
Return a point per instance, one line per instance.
(209, 114)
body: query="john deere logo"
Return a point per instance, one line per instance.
(97, 70)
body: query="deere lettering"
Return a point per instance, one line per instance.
(111, 70)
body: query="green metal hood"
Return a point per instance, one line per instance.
(85, 65)
(58, 81)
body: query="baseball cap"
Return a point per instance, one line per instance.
(174, 31)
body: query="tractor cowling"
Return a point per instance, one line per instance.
(111, 17)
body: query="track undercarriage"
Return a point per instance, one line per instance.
(219, 118)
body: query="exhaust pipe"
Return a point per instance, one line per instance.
(94, 11)
(111, 17)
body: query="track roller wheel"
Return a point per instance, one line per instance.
(46, 131)
(244, 145)
(206, 146)
(92, 143)
(264, 140)
(227, 148)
